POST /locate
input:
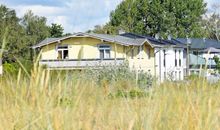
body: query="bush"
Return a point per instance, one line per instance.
(116, 74)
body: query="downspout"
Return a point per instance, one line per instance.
(115, 53)
(155, 68)
(160, 65)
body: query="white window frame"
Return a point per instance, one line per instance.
(106, 48)
(62, 51)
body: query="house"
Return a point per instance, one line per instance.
(81, 50)
(201, 53)
(169, 55)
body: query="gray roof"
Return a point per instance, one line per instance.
(110, 38)
(47, 40)
(121, 39)
(157, 42)
(126, 39)
(212, 50)
(200, 43)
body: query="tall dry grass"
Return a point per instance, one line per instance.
(44, 101)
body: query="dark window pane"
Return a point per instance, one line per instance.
(101, 54)
(62, 47)
(65, 54)
(164, 60)
(104, 47)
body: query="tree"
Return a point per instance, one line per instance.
(212, 26)
(56, 30)
(149, 17)
(15, 42)
(211, 23)
(35, 30)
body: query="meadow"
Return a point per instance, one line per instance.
(48, 100)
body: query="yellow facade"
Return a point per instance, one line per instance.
(87, 48)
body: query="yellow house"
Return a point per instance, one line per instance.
(93, 50)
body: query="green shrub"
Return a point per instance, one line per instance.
(116, 74)
(10, 68)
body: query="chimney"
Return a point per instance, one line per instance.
(204, 39)
(169, 37)
(121, 31)
(157, 36)
(189, 41)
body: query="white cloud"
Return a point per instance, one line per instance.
(213, 6)
(38, 10)
(73, 15)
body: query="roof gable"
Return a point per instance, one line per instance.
(126, 41)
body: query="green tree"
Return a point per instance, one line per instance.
(56, 30)
(15, 41)
(35, 30)
(149, 17)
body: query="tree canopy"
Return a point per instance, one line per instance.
(149, 17)
(23, 33)
(56, 30)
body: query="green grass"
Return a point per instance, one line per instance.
(47, 100)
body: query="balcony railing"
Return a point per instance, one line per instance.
(71, 63)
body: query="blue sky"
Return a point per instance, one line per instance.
(73, 15)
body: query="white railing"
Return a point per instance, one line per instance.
(81, 63)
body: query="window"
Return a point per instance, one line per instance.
(180, 64)
(104, 51)
(175, 59)
(63, 52)
(164, 58)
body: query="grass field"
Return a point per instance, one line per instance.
(46, 101)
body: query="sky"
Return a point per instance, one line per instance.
(73, 15)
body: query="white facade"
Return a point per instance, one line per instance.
(170, 63)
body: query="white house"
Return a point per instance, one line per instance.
(170, 59)
(170, 63)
